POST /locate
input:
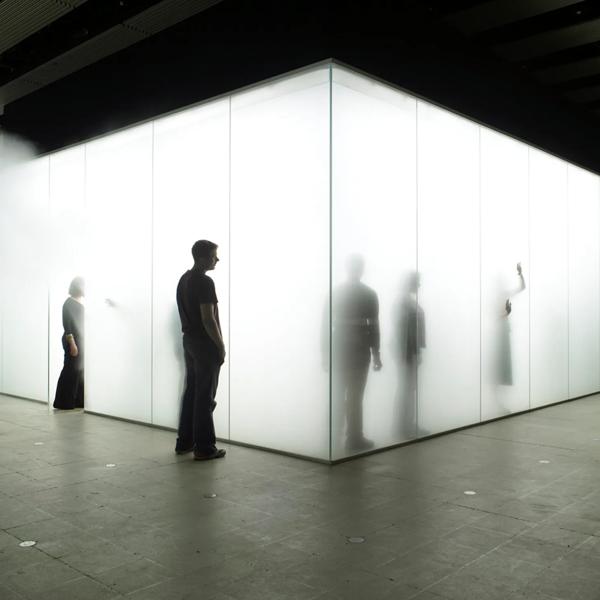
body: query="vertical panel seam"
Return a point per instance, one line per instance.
(417, 366)
(330, 325)
(529, 260)
(229, 273)
(479, 204)
(86, 255)
(152, 249)
(49, 270)
(568, 215)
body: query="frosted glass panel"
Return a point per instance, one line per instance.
(25, 300)
(549, 278)
(280, 265)
(67, 245)
(191, 202)
(349, 217)
(448, 259)
(584, 293)
(504, 276)
(373, 265)
(118, 333)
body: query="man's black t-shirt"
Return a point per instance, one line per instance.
(196, 288)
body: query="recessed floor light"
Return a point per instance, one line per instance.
(356, 540)
(110, 465)
(210, 495)
(544, 462)
(27, 544)
(38, 443)
(470, 493)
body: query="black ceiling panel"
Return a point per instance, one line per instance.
(519, 66)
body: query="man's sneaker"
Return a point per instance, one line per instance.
(218, 453)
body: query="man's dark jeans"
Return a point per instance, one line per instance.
(196, 427)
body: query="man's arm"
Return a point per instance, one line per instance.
(374, 330)
(212, 328)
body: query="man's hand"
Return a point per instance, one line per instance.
(73, 350)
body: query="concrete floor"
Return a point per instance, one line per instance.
(278, 528)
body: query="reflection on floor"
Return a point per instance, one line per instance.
(150, 527)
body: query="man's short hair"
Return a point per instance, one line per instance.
(202, 249)
(76, 287)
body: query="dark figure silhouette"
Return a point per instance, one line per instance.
(204, 353)
(70, 386)
(355, 338)
(504, 372)
(409, 342)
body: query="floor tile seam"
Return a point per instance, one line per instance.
(85, 576)
(449, 504)
(555, 510)
(80, 530)
(57, 485)
(521, 442)
(140, 589)
(469, 563)
(527, 535)
(65, 464)
(333, 587)
(424, 544)
(554, 482)
(93, 532)
(591, 493)
(498, 514)
(458, 502)
(34, 508)
(561, 559)
(19, 494)
(595, 535)
(19, 423)
(19, 570)
(17, 540)
(577, 546)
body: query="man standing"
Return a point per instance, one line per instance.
(204, 353)
(355, 337)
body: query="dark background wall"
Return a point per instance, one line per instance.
(239, 42)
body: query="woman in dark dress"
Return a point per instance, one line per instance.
(69, 390)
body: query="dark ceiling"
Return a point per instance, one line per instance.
(72, 69)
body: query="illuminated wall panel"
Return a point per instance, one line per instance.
(448, 264)
(584, 293)
(341, 207)
(119, 262)
(549, 292)
(191, 202)
(504, 293)
(374, 224)
(279, 385)
(67, 245)
(25, 300)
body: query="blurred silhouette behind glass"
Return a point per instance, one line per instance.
(409, 341)
(503, 362)
(355, 336)
(70, 386)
